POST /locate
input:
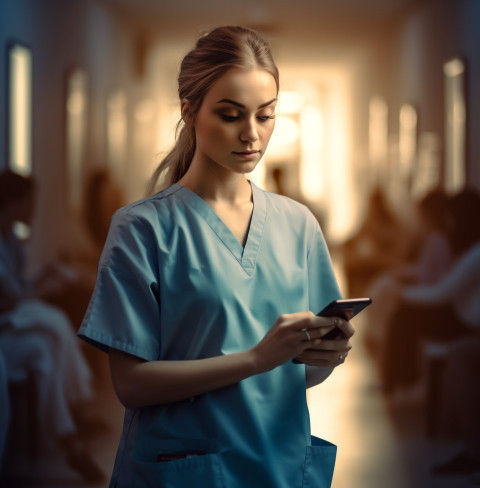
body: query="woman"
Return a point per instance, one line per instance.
(191, 280)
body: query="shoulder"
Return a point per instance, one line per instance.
(286, 206)
(292, 219)
(147, 212)
(143, 224)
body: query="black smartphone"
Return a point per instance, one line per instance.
(346, 309)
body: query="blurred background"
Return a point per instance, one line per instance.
(379, 107)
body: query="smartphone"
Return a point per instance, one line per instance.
(346, 309)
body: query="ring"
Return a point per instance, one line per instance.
(307, 334)
(341, 357)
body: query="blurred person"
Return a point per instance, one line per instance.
(442, 311)
(460, 406)
(103, 196)
(434, 258)
(382, 242)
(57, 283)
(189, 283)
(76, 266)
(38, 337)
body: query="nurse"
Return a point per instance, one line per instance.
(207, 292)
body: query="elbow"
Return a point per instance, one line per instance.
(126, 383)
(124, 394)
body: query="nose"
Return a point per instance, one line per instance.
(249, 131)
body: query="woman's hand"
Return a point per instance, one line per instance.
(329, 353)
(299, 336)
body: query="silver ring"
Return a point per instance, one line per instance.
(307, 334)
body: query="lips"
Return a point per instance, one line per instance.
(246, 153)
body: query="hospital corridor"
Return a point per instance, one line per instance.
(116, 227)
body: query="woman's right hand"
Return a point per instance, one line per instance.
(287, 338)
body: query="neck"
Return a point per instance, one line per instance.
(216, 184)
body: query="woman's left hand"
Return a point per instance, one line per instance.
(330, 353)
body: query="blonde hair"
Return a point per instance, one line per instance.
(214, 54)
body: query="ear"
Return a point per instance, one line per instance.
(185, 111)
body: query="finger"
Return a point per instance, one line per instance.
(346, 327)
(321, 357)
(338, 345)
(329, 363)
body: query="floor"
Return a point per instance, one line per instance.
(380, 444)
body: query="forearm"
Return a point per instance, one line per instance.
(140, 383)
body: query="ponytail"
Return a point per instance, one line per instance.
(176, 163)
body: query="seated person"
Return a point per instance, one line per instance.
(443, 311)
(38, 337)
(434, 258)
(381, 243)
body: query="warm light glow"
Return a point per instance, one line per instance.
(289, 102)
(407, 142)
(144, 111)
(76, 107)
(325, 169)
(20, 157)
(284, 142)
(377, 138)
(455, 131)
(117, 132)
(342, 192)
(311, 174)
(427, 174)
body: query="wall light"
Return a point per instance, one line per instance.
(20, 113)
(455, 129)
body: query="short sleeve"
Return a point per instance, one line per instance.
(322, 283)
(124, 311)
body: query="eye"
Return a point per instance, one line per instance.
(265, 118)
(229, 118)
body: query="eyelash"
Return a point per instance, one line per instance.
(232, 118)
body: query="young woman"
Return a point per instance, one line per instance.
(207, 291)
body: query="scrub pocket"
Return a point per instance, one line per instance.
(319, 464)
(193, 463)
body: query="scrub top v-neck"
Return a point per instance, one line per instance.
(245, 255)
(173, 284)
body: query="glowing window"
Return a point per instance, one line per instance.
(117, 131)
(378, 138)
(76, 113)
(455, 171)
(20, 109)
(407, 142)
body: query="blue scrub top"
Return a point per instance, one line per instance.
(174, 283)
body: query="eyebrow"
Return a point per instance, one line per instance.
(232, 102)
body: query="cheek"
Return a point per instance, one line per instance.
(267, 133)
(213, 133)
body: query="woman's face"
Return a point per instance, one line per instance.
(236, 120)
